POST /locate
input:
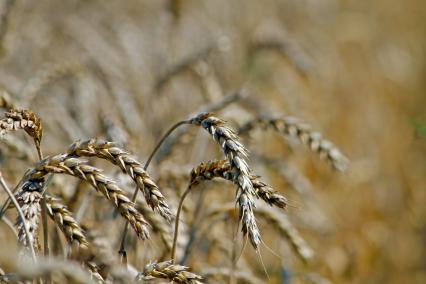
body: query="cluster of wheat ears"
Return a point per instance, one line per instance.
(153, 215)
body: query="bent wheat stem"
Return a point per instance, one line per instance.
(135, 194)
(176, 232)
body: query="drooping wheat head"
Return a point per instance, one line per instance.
(114, 154)
(236, 154)
(16, 119)
(293, 127)
(63, 218)
(66, 164)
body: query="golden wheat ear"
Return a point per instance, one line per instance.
(70, 165)
(168, 270)
(236, 154)
(295, 128)
(27, 120)
(111, 152)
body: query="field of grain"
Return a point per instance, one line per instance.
(186, 141)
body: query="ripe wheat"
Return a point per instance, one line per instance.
(66, 164)
(236, 154)
(293, 127)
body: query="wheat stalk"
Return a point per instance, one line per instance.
(236, 154)
(295, 128)
(21, 216)
(114, 154)
(66, 164)
(167, 270)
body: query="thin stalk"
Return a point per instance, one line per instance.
(43, 207)
(175, 236)
(6, 204)
(44, 213)
(21, 214)
(122, 250)
(173, 128)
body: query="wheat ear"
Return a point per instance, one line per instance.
(222, 169)
(295, 128)
(114, 154)
(236, 154)
(66, 164)
(16, 119)
(29, 202)
(63, 218)
(167, 270)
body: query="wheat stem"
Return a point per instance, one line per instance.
(122, 250)
(176, 232)
(21, 215)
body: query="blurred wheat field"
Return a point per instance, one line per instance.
(126, 71)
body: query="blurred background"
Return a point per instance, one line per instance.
(355, 70)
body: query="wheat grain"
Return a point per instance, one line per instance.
(65, 164)
(295, 128)
(167, 270)
(236, 154)
(114, 154)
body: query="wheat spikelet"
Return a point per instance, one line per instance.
(222, 169)
(109, 151)
(293, 127)
(29, 201)
(65, 221)
(167, 270)
(16, 119)
(236, 154)
(65, 164)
